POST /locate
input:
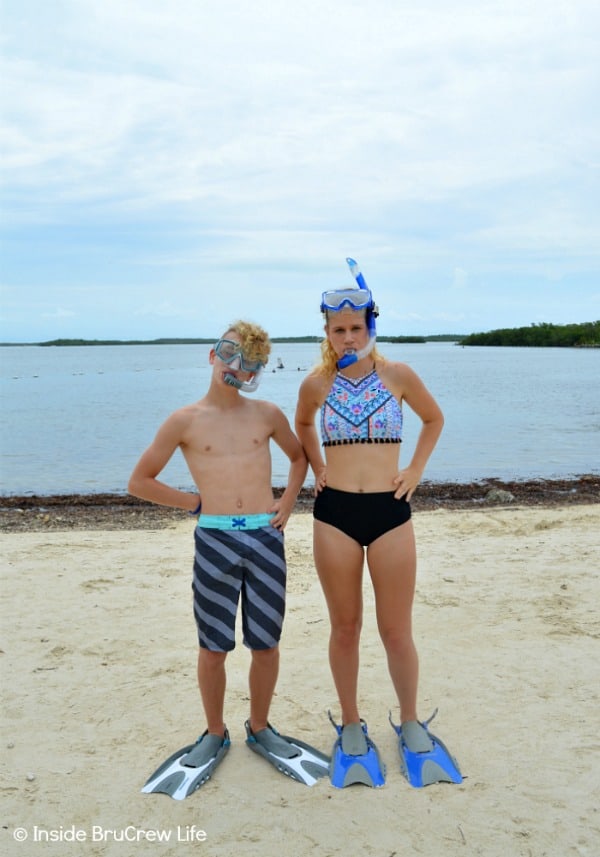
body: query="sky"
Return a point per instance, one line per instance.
(168, 167)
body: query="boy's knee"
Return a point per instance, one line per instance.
(211, 659)
(265, 654)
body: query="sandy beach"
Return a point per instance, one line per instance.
(99, 686)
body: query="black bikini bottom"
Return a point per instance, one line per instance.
(363, 517)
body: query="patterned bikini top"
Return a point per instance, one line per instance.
(360, 410)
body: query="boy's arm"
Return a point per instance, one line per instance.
(287, 441)
(143, 482)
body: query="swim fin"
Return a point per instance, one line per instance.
(290, 756)
(424, 759)
(355, 758)
(189, 768)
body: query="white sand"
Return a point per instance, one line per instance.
(99, 687)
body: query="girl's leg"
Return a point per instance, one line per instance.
(339, 562)
(392, 565)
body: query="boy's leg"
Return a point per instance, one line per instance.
(216, 588)
(212, 681)
(263, 609)
(264, 670)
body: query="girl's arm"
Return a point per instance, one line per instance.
(306, 409)
(409, 388)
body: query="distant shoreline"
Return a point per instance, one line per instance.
(276, 340)
(20, 513)
(542, 335)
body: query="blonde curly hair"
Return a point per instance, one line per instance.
(254, 341)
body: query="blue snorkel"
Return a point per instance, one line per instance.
(353, 357)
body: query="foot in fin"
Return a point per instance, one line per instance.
(355, 758)
(290, 756)
(189, 768)
(424, 759)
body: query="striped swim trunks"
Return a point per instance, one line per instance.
(230, 559)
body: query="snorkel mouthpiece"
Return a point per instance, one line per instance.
(244, 386)
(354, 356)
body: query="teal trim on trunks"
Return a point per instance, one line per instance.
(235, 522)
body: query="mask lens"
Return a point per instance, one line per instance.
(227, 350)
(354, 298)
(250, 366)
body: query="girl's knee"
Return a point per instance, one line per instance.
(346, 634)
(397, 641)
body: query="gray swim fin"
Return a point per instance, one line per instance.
(424, 758)
(189, 768)
(290, 756)
(355, 757)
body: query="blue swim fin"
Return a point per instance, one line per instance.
(424, 759)
(355, 758)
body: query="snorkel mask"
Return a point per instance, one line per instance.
(230, 352)
(360, 298)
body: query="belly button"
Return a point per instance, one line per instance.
(239, 504)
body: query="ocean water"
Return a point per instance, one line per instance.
(76, 419)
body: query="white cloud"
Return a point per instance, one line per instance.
(283, 136)
(58, 313)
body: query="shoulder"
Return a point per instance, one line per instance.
(200, 410)
(393, 369)
(266, 414)
(174, 428)
(317, 384)
(263, 406)
(396, 376)
(262, 409)
(184, 414)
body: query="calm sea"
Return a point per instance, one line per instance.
(76, 419)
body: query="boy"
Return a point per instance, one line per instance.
(239, 541)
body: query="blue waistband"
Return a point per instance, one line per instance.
(235, 522)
